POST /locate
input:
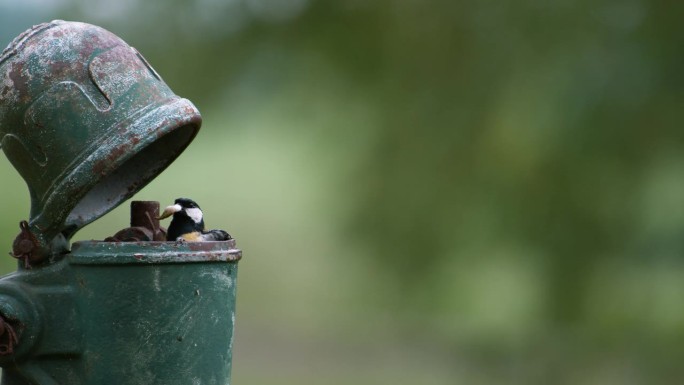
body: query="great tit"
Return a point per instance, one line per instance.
(188, 223)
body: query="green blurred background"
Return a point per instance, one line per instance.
(426, 192)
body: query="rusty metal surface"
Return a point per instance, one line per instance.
(144, 243)
(96, 252)
(144, 224)
(24, 245)
(144, 214)
(87, 123)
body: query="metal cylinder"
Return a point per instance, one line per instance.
(132, 313)
(144, 214)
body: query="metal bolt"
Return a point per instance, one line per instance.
(144, 214)
(24, 245)
(144, 224)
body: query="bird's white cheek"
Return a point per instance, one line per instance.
(194, 214)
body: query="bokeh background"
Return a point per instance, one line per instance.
(426, 192)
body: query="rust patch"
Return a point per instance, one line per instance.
(102, 166)
(144, 224)
(17, 78)
(68, 77)
(25, 245)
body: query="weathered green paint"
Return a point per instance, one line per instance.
(87, 123)
(126, 313)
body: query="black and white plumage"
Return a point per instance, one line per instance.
(187, 224)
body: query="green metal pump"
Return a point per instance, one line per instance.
(87, 123)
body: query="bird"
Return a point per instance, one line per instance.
(187, 224)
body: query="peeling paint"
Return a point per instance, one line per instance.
(155, 280)
(83, 96)
(87, 123)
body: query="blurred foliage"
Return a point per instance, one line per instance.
(428, 192)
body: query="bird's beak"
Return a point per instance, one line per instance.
(170, 210)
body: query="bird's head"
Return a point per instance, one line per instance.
(184, 207)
